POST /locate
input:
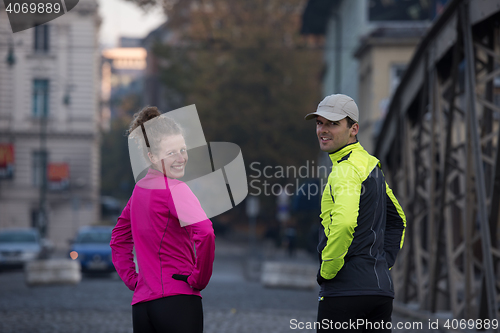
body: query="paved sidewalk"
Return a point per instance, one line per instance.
(101, 304)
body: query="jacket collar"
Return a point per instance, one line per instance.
(156, 180)
(152, 173)
(337, 156)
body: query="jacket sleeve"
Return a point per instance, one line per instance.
(204, 239)
(394, 227)
(191, 216)
(122, 246)
(340, 206)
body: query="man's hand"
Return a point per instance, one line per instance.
(319, 278)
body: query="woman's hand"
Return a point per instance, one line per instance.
(180, 277)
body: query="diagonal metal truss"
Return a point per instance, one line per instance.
(440, 151)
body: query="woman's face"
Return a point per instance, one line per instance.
(172, 156)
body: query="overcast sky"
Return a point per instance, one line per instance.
(121, 18)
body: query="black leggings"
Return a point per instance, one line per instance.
(172, 314)
(355, 314)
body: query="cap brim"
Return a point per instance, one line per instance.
(328, 115)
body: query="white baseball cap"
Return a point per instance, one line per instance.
(336, 107)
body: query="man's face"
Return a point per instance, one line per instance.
(333, 135)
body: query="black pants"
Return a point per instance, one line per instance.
(172, 314)
(355, 314)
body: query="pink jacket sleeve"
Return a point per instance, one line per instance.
(122, 246)
(204, 239)
(192, 217)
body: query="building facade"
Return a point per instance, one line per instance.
(122, 74)
(49, 114)
(365, 49)
(155, 92)
(382, 57)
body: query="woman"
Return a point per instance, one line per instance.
(172, 236)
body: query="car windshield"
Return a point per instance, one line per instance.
(94, 237)
(17, 237)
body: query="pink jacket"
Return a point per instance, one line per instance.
(168, 239)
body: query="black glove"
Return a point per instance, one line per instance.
(319, 278)
(180, 277)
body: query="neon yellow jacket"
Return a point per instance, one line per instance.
(362, 227)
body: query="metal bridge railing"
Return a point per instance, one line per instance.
(440, 154)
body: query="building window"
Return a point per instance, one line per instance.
(39, 159)
(397, 72)
(41, 38)
(40, 98)
(407, 10)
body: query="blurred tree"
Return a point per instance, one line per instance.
(248, 70)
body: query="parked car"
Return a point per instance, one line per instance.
(91, 248)
(18, 246)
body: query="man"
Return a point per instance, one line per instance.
(362, 227)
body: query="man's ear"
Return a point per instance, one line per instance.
(354, 129)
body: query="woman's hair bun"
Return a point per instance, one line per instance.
(147, 113)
